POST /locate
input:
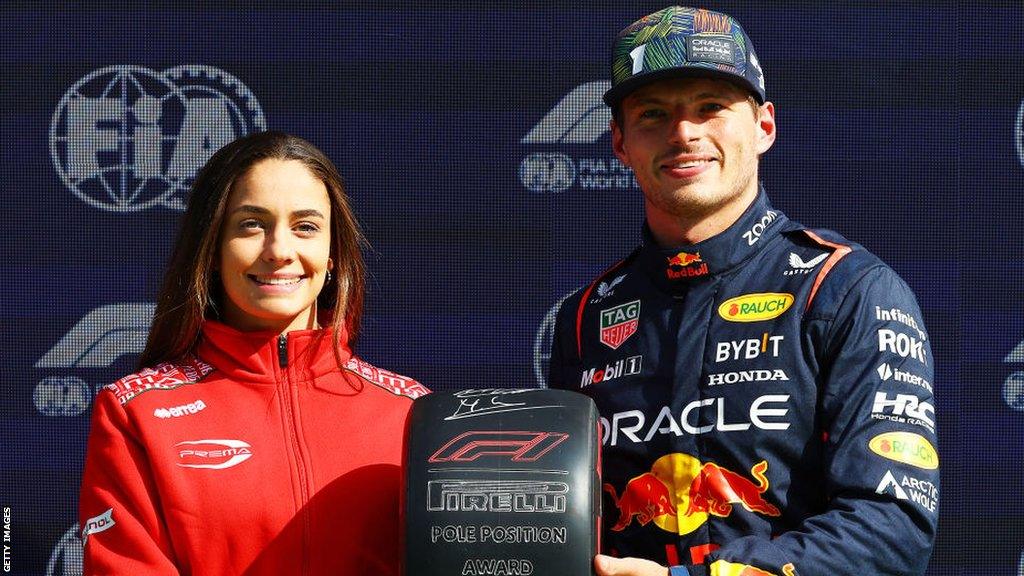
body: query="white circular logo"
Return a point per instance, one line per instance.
(127, 138)
(66, 558)
(543, 341)
(1013, 391)
(62, 396)
(1018, 133)
(547, 172)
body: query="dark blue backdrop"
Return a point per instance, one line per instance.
(476, 151)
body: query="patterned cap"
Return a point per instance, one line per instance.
(681, 41)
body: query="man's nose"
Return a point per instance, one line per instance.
(686, 128)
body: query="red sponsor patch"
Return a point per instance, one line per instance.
(394, 383)
(163, 376)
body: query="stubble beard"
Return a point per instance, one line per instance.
(698, 200)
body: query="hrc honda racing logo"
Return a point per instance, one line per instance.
(126, 138)
(212, 454)
(561, 153)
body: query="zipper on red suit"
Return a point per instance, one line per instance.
(291, 401)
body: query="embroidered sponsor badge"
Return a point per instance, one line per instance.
(907, 448)
(755, 307)
(98, 524)
(719, 49)
(619, 323)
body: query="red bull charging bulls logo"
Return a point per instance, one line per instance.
(680, 492)
(685, 265)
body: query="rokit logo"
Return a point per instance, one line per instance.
(579, 118)
(126, 138)
(99, 339)
(902, 345)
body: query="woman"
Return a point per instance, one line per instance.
(253, 441)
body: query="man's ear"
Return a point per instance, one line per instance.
(618, 142)
(766, 127)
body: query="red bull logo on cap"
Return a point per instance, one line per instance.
(680, 492)
(685, 265)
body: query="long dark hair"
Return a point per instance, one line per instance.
(191, 290)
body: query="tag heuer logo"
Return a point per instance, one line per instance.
(619, 323)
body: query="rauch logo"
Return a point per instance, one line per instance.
(755, 307)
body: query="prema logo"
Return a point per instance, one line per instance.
(126, 138)
(213, 454)
(99, 339)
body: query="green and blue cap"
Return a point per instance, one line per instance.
(679, 41)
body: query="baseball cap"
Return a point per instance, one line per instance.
(681, 41)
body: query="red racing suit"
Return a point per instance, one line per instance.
(257, 455)
(766, 404)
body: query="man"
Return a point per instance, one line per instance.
(764, 388)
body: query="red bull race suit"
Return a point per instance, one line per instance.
(766, 403)
(257, 455)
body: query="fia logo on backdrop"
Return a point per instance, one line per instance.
(1013, 386)
(127, 138)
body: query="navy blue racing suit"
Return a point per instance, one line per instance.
(766, 403)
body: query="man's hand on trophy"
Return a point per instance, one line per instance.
(608, 566)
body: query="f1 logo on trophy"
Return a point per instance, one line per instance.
(502, 482)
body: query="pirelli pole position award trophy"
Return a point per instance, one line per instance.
(502, 482)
